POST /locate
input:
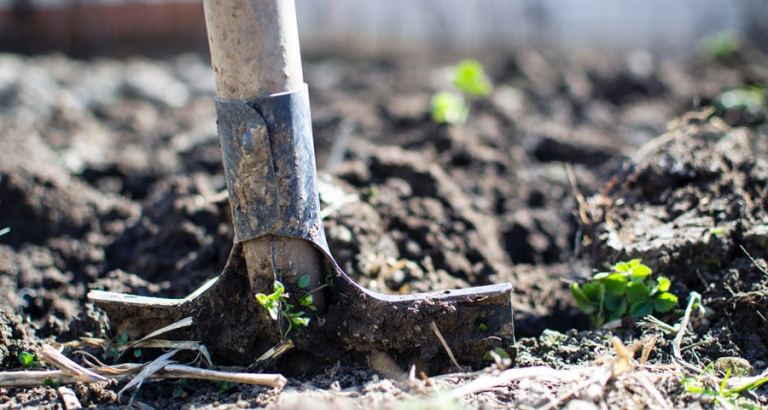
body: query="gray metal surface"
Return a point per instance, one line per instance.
(269, 163)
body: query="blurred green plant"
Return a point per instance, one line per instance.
(469, 82)
(707, 385)
(449, 108)
(469, 77)
(748, 98)
(626, 289)
(721, 45)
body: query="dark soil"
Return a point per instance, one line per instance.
(111, 179)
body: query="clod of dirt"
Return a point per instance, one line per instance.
(695, 209)
(14, 339)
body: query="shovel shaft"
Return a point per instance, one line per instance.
(254, 47)
(255, 52)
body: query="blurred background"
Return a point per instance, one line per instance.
(372, 27)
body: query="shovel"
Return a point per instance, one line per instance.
(264, 123)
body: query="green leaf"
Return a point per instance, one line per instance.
(639, 272)
(308, 301)
(662, 284)
(615, 306)
(582, 301)
(623, 267)
(448, 108)
(499, 351)
(303, 281)
(27, 359)
(594, 291)
(641, 309)
(469, 77)
(48, 382)
(664, 302)
(601, 275)
(615, 283)
(300, 321)
(637, 292)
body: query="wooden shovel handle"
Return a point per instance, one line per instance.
(255, 51)
(254, 47)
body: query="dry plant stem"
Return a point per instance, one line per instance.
(34, 378)
(695, 297)
(69, 398)
(255, 51)
(80, 373)
(483, 383)
(445, 345)
(655, 393)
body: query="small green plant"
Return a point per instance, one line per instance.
(626, 288)
(225, 387)
(120, 340)
(469, 77)
(716, 231)
(488, 356)
(448, 108)
(720, 46)
(28, 359)
(180, 391)
(277, 305)
(48, 382)
(729, 397)
(747, 98)
(469, 82)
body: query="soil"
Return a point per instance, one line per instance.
(111, 179)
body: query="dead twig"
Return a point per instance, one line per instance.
(655, 393)
(583, 205)
(445, 345)
(34, 378)
(683, 327)
(753, 260)
(63, 363)
(69, 398)
(146, 371)
(488, 382)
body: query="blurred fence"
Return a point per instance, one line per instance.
(385, 26)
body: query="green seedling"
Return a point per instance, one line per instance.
(488, 356)
(448, 108)
(707, 385)
(716, 231)
(720, 46)
(28, 359)
(626, 289)
(276, 304)
(179, 391)
(121, 339)
(48, 382)
(469, 82)
(747, 98)
(469, 77)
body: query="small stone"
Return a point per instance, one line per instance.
(737, 366)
